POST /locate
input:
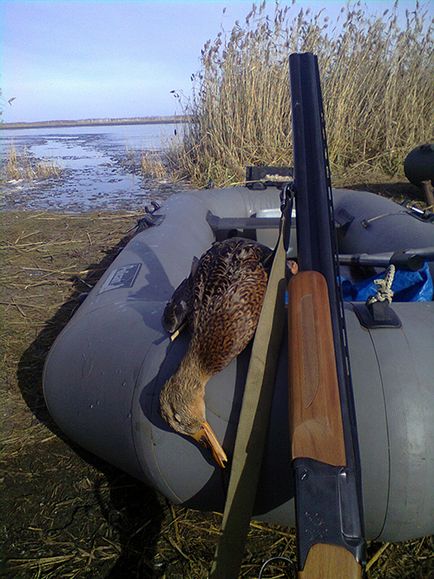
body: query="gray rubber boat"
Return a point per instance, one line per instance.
(104, 373)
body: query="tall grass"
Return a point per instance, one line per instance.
(152, 165)
(376, 80)
(22, 166)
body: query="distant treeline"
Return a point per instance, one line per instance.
(97, 122)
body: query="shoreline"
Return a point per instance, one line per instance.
(175, 119)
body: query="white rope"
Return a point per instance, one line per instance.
(271, 560)
(384, 287)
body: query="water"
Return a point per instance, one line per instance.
(99, 167)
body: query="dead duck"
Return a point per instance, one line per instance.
(221, 302)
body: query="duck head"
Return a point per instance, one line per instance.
(184, 410)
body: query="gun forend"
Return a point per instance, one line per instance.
(316, 421)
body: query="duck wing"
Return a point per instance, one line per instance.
(227, 294)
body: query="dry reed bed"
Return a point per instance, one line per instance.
(152, 165)
(20, 165)
(377, 89)
(64, 512)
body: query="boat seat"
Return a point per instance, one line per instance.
(227, 223)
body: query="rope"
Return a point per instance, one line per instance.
(272, 560)
(384, 288)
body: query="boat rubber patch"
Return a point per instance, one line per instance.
(121, 278)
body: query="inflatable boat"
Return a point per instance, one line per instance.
(104, 373)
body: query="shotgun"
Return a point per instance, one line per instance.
(325, 454)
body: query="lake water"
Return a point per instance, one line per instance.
(99, 167)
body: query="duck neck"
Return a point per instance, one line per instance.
(190, 375)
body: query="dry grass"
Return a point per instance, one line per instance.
(152, 165)
(66, 513)
(22, 166)
(377, 88)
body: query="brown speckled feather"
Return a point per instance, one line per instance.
(227, 294)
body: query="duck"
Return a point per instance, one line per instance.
(220, 303)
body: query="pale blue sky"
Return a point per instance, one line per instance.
(82, 59)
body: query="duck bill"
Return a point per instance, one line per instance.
(206, 436)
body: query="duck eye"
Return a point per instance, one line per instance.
(177, 417)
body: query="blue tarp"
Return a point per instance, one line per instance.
(408, 286)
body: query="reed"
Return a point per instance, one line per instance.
(20, 165)
(376, 80)
(152, 165)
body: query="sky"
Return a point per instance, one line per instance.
(72, 59)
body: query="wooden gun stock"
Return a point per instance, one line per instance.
(330, 562)
(315, 411)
